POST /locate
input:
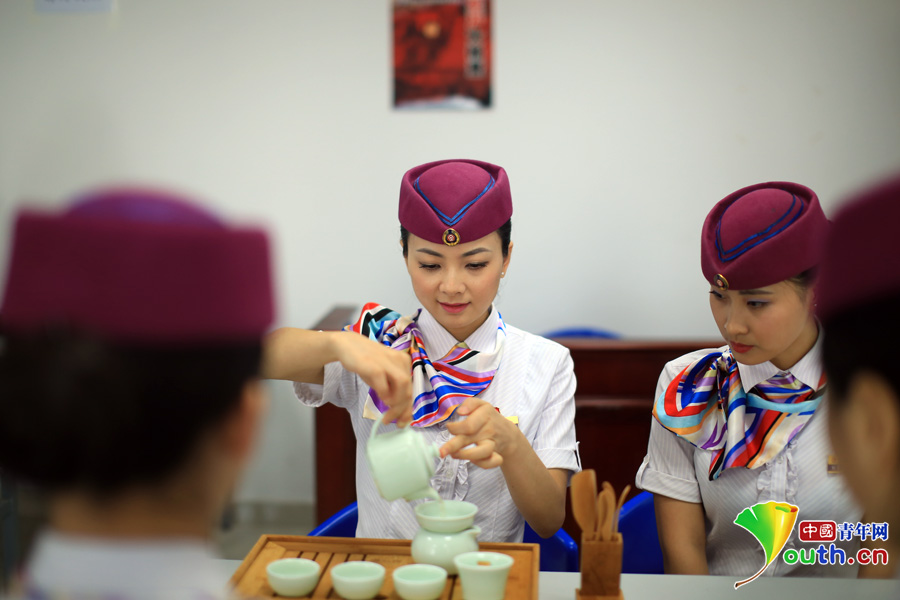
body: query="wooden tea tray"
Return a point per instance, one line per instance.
(250, 578)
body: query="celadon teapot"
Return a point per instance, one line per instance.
(402, 463)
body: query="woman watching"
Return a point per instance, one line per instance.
(746, 423)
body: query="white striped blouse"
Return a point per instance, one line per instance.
(535, 383)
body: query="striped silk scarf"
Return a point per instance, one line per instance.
(439, 386)
(706, 405)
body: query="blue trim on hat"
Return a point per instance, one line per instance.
(765, 234)
(462, 212)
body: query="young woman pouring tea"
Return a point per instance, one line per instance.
(498, 400)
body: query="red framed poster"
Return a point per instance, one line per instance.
(442, 54)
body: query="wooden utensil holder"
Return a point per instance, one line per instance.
(601, 569)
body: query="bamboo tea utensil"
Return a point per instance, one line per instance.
(609, 510)
(605, 512)
(584, 494)
(597, 533)
(608, 488)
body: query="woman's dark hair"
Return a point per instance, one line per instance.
(505, 233)
(77, 412)
(805, 280)
(862, 339)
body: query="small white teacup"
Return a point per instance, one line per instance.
(293, 577)
(357, 579)
(483, 574)
(419, 582)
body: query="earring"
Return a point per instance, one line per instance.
(502, 273)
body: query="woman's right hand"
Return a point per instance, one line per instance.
(386, 371)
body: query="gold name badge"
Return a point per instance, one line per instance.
(833, 467)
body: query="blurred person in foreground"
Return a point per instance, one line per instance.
(131, 338)
(859, 305)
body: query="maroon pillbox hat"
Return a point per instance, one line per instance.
(762, 234)
(138, 265)
(453, 201)
(860, 263)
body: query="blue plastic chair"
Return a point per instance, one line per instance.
(582, 332)
(340, 524)
(558, 553)
(641, 552)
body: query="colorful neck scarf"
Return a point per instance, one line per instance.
(438, 386)
(706, 405)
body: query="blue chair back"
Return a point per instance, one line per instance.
(340, 524)
(582, 332)
(641, 552)
(558, 553)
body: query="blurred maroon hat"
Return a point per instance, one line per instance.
(762, 234)
(138, 265)
(454, 201)
(860, 263)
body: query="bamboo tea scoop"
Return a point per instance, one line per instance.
(584, 498)
(608, 499)
(601, 517)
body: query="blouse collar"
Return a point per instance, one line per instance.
(439, 341)
(808, 369)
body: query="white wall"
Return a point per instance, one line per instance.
(620, 124)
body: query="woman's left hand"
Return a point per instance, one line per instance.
(538, 492)
(491, 433)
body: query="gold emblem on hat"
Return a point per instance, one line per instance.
(451, 237)
(721, 281)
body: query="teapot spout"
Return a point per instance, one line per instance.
(427, 493)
